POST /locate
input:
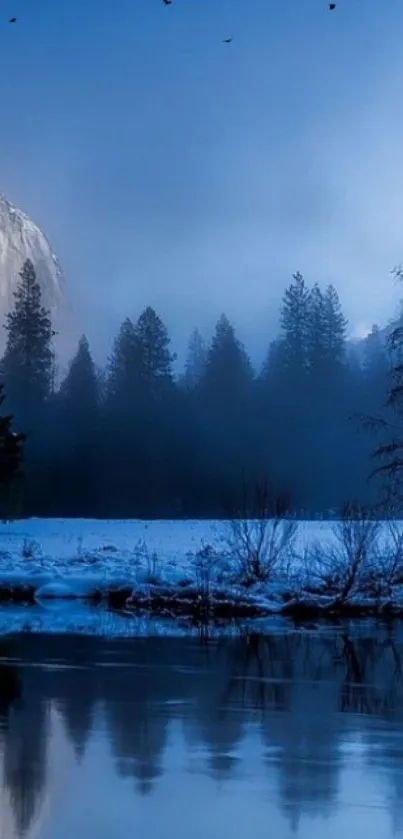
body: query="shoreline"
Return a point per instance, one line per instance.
(226, 604)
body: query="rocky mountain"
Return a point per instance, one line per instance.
(20, 239)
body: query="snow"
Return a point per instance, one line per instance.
(79, 557)
(64, 561)
(92, 546)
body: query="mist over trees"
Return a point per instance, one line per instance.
(134, 439)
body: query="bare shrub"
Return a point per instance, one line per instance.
(261, 539)
(387, 569)
(148, 561)
(205, 563)
(344, 567)
(30, 549)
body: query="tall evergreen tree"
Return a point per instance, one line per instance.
(335, 325)
(11, 456)
(227, 431)
(326, 335)
(375, 355)
(156, 357)
(27, 365)
(26, 371)
(75, 437)
(124, 368)
(121, 428)
(196, 361)
(375, 371)
(140, 396)
(78, 415)
(79, 390)
(158, 426)
(228, 372)
(290, 418)
(294, 322)
(388, 454)
(327, 398)
(272, 363)
(316, 332)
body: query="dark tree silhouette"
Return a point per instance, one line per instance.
(388, 454)
(11, 457)
(27, 365)
(196, 360)
(77, 410)
(144, 438)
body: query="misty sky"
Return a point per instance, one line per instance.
(168, 168)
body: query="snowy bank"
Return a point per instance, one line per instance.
(176, 569)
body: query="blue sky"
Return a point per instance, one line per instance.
(167, 168)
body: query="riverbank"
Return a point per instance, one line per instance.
(205, 572)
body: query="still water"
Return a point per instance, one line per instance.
(296, 734)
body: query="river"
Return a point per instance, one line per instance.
(291, 734)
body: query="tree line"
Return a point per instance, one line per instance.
(136, 440)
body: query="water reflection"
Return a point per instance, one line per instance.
(302, 732)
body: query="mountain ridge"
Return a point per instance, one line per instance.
(20, 239)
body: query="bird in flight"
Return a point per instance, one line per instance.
(167, 2)
(332, 6)
(12, 19)
(227, 40)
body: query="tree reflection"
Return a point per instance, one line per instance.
(138, 736)
(10, 691)
(304, 692)
(78, 708)
(25, 757)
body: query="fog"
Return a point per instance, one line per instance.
(172, 170)
(135, 439)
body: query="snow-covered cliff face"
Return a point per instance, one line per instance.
(21, 239)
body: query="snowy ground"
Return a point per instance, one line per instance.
(63, 545)
(83, 553)
(71, 559)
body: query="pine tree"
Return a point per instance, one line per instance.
(118, 454)
(227, 434)
(79, 390)
(273, 367)
(335, 325)
(196, 361)
(327, 399)
(295, 323)
(228, 372)
(140, 405)
(158, 428)
(289, 430)
(78, 410)
(124, 368)
(156, 357)
(388, 454)
(11, 456)
(316, 333)
(375, 356)
(27, 365)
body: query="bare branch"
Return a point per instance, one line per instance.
(260, 543)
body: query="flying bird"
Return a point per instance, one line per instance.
(332, 6)
(227, 40)
(12, 19)
(167, 2)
